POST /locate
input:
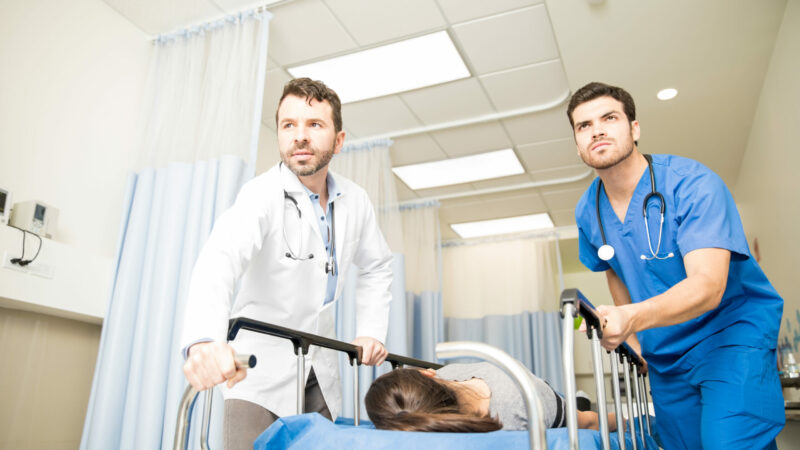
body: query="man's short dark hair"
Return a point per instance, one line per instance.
(595, 90)
(313, 89)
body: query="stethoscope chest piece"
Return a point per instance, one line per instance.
(605, 252)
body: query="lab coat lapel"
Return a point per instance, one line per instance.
(294, 187)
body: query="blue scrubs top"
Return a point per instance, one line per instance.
(700, 213)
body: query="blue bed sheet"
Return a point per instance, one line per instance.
(312, 431)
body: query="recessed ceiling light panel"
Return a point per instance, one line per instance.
(667, 94)
(466, 169)
(503, 226)
(402, 66)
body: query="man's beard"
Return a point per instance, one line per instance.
(608, 164)
(304, 170)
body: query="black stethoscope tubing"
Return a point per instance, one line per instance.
(330, 265)
(606, 251)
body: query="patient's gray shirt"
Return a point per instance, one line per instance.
(506, 403)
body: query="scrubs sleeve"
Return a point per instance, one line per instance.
(587, 253)
(708, 217)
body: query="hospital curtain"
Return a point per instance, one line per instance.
(201, 119)
(505, 292)
(415, 319)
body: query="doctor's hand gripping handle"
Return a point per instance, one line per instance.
(186, 406)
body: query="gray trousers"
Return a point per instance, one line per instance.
(245, 421)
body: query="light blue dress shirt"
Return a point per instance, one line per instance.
(324, 222)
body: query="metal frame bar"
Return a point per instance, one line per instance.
(573, 303)
(301, 342)
(614, 359)
(518, 372)
(568, 314)
(629, 398)
(599, 381)
(639, 408)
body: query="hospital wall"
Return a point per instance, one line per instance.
(71, 82)
(767, 190)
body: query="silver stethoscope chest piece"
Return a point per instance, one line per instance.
(606, 251)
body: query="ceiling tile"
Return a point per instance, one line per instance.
(538, 127)
(415, 149)
(508, 40)
(472, 139)
(502, 181)
(562, 199)
(449, 101)
(584, 174)
(165, 17)
(504, 207)
(548, 155)
(563, 217)
(378, 116)
(447, 232)
(461, 10)
(526, 86)
(301, 31)
(376, 21)
(444, 190)
(273, 89)
(489, 198)
(404, 194)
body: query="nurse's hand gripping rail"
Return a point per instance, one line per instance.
(301, 342)
(573, 303)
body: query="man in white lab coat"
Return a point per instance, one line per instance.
(281, 254)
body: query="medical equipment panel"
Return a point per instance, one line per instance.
(36, 217)
(5, 205)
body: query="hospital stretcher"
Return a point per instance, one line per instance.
(310, 431)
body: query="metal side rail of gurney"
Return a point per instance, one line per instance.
(302, 342)
(573, 304)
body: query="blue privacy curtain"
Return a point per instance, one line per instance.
(415, 319)
(504, 292)
(201, 120)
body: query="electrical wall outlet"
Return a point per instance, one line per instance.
(41, 270)
(7, 257)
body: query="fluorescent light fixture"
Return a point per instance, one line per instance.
(667, 94)
(483, 166)
(502, 226)
(398, 67)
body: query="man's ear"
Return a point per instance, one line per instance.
(428, 372)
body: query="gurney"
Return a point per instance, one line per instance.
(310, 431)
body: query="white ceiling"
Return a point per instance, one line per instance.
(524, 53)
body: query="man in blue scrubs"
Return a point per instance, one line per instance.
(688, 290)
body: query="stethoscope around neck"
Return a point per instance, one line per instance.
(606, 251)
(330, 265)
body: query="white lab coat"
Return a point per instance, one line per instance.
(242, 271)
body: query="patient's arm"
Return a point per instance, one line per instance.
(589, 419)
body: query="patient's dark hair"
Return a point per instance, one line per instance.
(405, 399)
(313, 89)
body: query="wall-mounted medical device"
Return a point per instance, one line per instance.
(5, 205)
(36, 217)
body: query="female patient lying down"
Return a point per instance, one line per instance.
(475, 397)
